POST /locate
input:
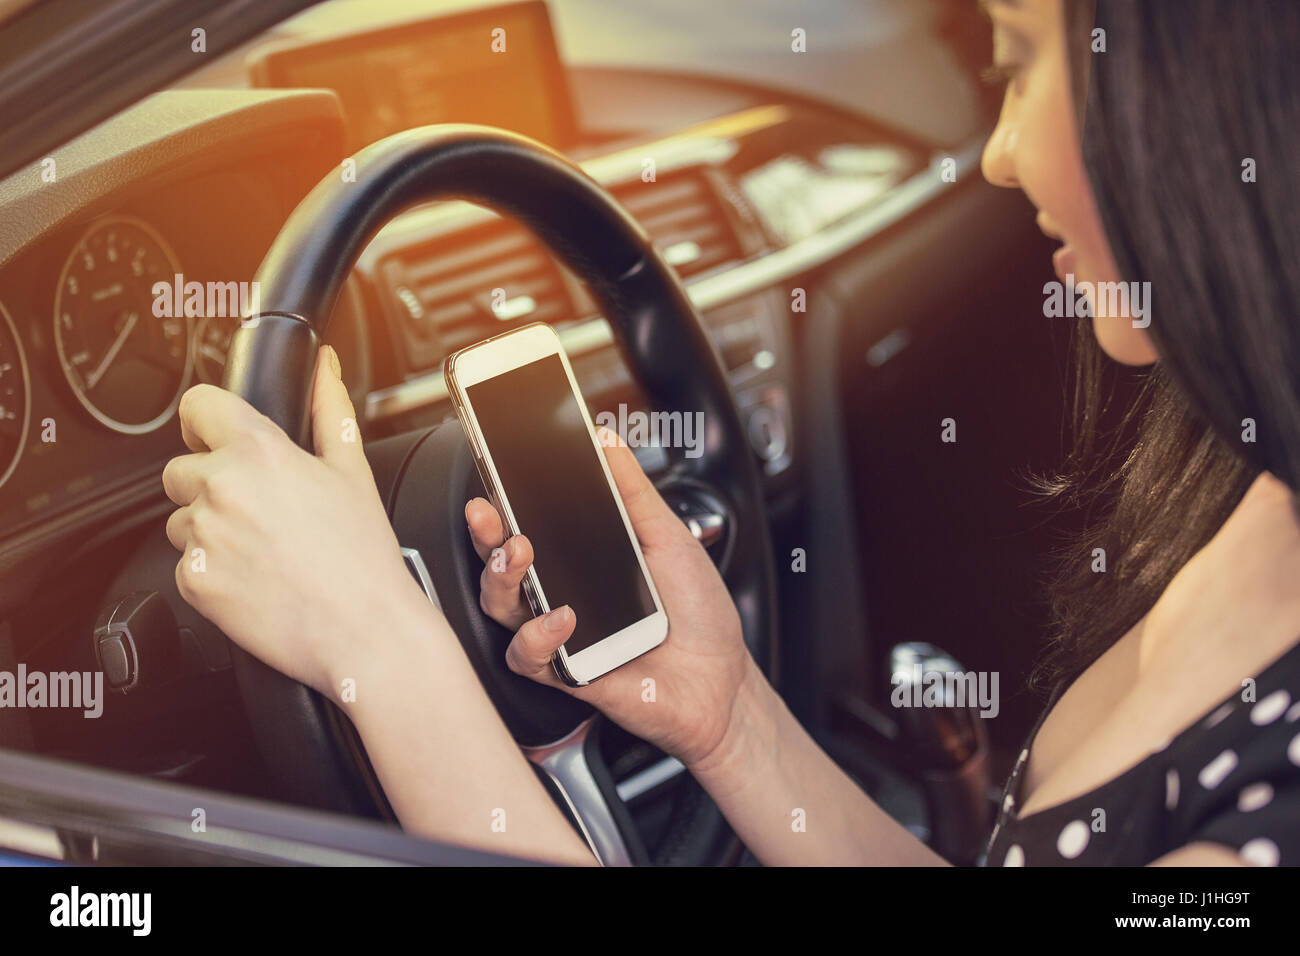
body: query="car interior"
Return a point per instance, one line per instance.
(834, 258)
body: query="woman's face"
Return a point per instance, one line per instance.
(1035, 148)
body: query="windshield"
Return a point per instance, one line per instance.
(877, 58)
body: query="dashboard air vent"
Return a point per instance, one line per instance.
(686, 220)
(462, 288)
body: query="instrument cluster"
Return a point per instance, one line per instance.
(103, 327)
(91, 350)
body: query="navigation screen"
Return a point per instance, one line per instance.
(498, 67)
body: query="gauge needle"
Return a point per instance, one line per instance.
(108, 292)
(93, 378)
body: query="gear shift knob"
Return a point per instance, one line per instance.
(948, 747)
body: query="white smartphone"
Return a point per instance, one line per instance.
(544, 469)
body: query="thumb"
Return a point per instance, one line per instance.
(335, 432)
(654, 522)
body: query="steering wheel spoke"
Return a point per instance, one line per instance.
(575, 767)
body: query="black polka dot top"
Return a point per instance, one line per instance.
(1231, 778)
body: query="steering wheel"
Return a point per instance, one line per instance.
(427, 476)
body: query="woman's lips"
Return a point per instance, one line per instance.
(1063, 261)
(1063, 258)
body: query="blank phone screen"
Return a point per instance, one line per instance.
(535, 432)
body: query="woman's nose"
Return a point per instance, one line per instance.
(998, 161)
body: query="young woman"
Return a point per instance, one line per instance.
(1173, 732)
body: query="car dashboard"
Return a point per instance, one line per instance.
(740, 205)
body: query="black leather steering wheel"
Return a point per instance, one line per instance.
(427, 476)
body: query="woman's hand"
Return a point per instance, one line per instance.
(712, 707)
(697, 671)
(289, 553)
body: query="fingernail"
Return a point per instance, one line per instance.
(558, 619)
(335, 365)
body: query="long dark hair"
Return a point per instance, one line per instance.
(1190, 136)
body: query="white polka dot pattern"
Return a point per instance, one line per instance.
(1270, 708)
(1261, 852)
(1214, 772)
(1218, 717)
(1255, 797)
(1073, 839)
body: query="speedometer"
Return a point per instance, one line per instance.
(15, 396)
(126, 366)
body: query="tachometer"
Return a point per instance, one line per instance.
(126, 366)
(15, 396)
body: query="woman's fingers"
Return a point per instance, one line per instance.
(500, 594)
(184, 476)
(212, 417)
(504, 565)
(485, 528)
(529, 654)
(178, 528)
(335, 432)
